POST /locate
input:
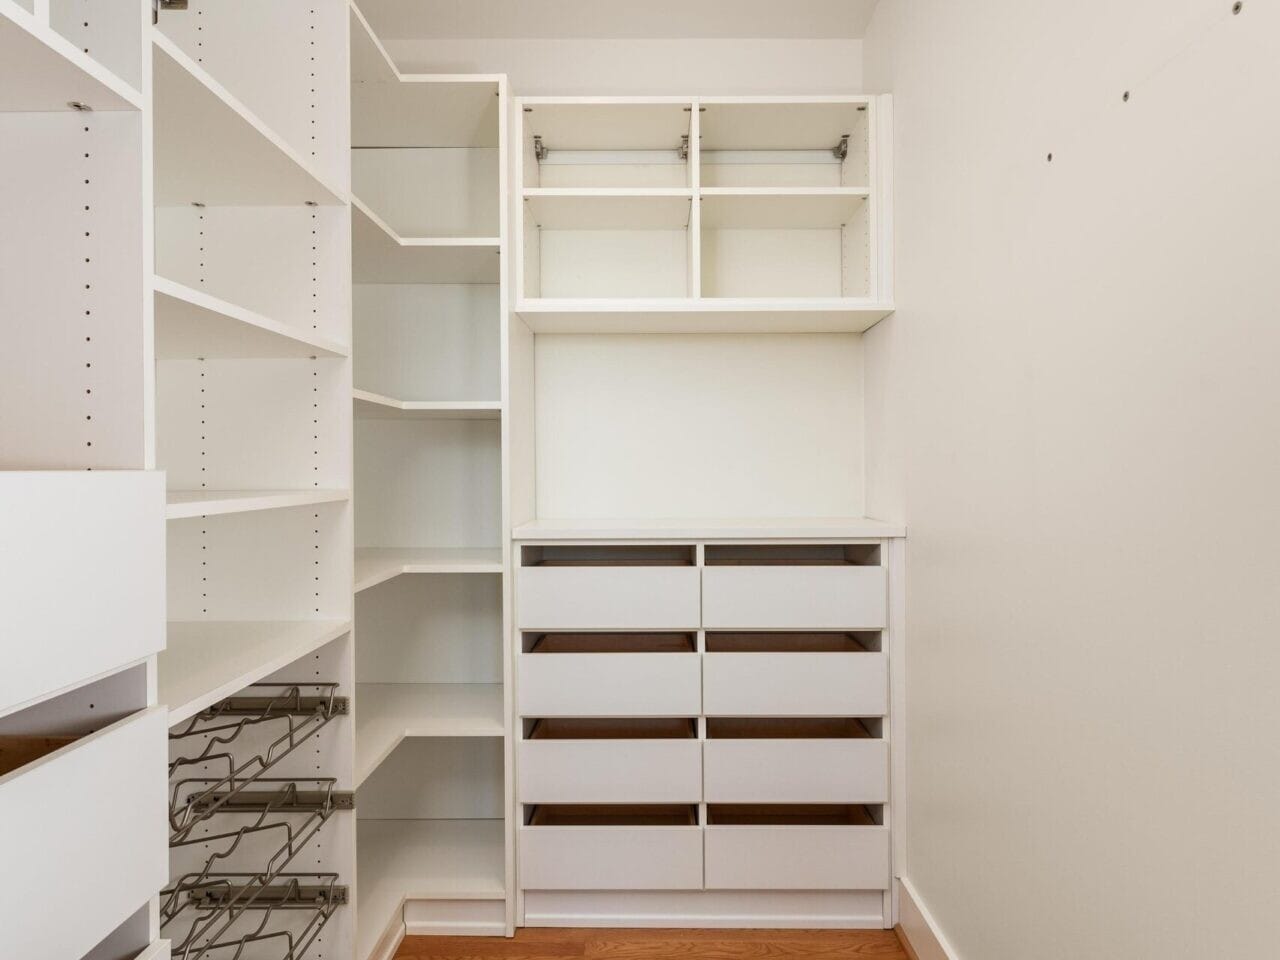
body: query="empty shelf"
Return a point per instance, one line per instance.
(182, 504)
(608, 209)
(712, 528)
(795, 208)
(387, 713)
(375, 566)
(690, 315)
(380, 255)
(41, 70)
(206, 661)
(209, 148)
(192, 324)
(399, 860)
(375, 406)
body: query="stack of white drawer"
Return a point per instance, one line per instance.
(703, 717)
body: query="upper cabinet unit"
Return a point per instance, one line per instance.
(711, 215)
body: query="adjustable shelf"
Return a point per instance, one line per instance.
(685, 315)
(374, 406)
(771, 208)
(207, 661)
(608, 208)
(41, 70)
(184, 504)
(210, 148)
(191, 324)
(392, 712)
(374, 566)
(380, 255)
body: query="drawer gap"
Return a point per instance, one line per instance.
(18, 751)
(589, 555)
(611, 815)
(866, 641)
(795, 814)
(629, 728)
(610, 643)
(793, 555)
(792, 728)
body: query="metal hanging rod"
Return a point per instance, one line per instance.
(680, 155)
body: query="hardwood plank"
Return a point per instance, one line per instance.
(466, 948)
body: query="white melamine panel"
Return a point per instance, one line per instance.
(705, 528)
(610, 858)
(717, 315)
(441, 192)
(391, 713)
(131, 940)
(83, 557)
(285, 263)
(797, 684)
(72, 273)
(796, 771)
(389, 109)
(795, 598)
(609, 685)
(109, 31)
(122, 768)
(380, 255)
(797, 857)
(773, 263)
(428, 483)
(609, 263)
(446, 778)
(607, 209)
(610, 771)
(441, 628)
(427, 341)
(253, 424)
(777, 209)
(781, 123)
(607, 598)
(699, 426)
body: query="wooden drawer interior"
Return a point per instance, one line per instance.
(592, 555)
(867, 641)
(793, 555)
(609, 643)
(627, 728)
(793, 728)
(611, 815)
(795, 814)
(19, 750)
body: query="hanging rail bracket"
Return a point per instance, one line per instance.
(841, 149)
(539, 149)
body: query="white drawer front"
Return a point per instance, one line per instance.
(99, 803)
(610, 685)
(610, 771)
(796, 771)
(611, 858)
(796, 684)
(795, 598)
(797, 858)
(607, 598)
(81, 576)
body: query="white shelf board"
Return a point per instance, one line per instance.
(705, 315)
(380, 255)
(210, 148)
(375, 565)
(710, 528)
(607, 123)
(184, 504)
(205, 661)
(795, 208)
(192, 324)
(376, 406)
(553, 208)
(780, 123)
(388, 713)
(42, 71)
(399, 860)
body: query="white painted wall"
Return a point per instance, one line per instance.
(1091, 465)
(637, 67)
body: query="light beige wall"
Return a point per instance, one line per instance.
(1091, 397)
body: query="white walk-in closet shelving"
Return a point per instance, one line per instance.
(428, 192)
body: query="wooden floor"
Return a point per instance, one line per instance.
(564, 943)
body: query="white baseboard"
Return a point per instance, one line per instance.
(919, 927)
(389, 942)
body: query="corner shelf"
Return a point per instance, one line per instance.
(185, 504)
(380, 255)
(392, 712)
(191, 324)
(42, 71)
(210, 148)
(375, 406)
(702, 315)
(206, 661)
(377, 565)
